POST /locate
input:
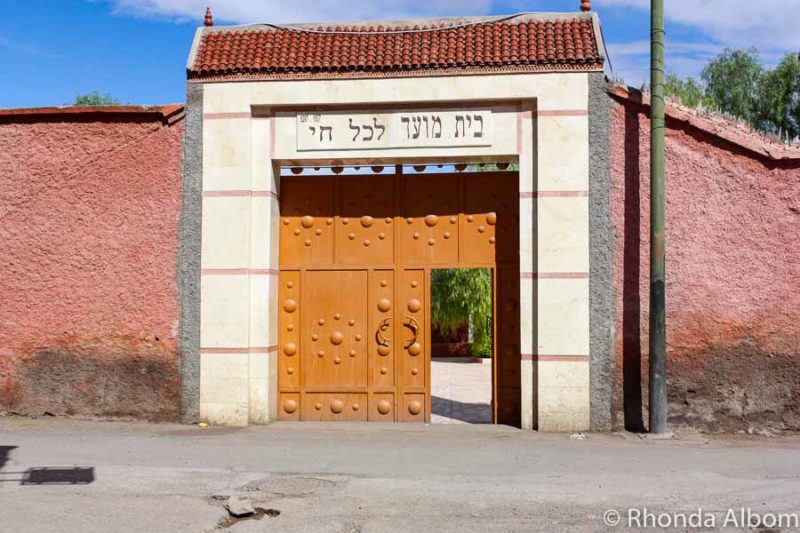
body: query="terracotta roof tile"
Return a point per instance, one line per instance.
(525, 43)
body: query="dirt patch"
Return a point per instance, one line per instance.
(739, 388)
(118, 376)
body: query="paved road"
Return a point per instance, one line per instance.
(372, 477)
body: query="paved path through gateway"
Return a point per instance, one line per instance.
(461, 391)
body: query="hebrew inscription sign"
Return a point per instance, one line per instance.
(395, 129)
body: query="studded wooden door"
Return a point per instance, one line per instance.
(355, 259)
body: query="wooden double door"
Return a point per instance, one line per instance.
(356, 254)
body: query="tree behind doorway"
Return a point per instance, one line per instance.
(460, 296)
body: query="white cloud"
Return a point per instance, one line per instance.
(283, 11)
(631, 61)
(764, 24)
(767, 25)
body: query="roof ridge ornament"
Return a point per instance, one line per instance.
(209, 20)
(586, 5)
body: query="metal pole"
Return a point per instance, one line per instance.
(658, 341)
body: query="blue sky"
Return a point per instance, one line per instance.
(135, 50)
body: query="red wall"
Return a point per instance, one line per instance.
(733, 279)
(89, 310)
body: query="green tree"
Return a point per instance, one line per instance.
(464, 295)
(778, 107)
(735, 83)
(690, 92)
(732, 82)
(95, 99)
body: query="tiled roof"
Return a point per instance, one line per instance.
(525, 42)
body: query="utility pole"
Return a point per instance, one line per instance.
(658, 337)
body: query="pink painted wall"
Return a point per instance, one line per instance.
(89, 311)
(733, 279)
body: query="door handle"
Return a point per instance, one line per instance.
(411, 323)
(380, 338)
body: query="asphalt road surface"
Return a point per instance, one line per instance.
(60, 475)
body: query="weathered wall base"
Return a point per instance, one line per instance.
(735, 388)
(121, 376)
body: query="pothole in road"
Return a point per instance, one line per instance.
(240, 509)
(287, 487)
(259, 512)
(252, 501)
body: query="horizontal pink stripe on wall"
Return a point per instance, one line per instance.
(217, 350)
(562, 113)
(554, 194)
(213, 116)
(554, 275)
(240, 194)
(239, 272)
(543, 357)
(542, 113)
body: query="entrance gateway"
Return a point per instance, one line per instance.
(314, 279)
(356, 254)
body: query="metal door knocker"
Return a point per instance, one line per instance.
(380, 339)
(411, 323)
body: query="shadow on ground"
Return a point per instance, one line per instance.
(471, 413)
(44, 475)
